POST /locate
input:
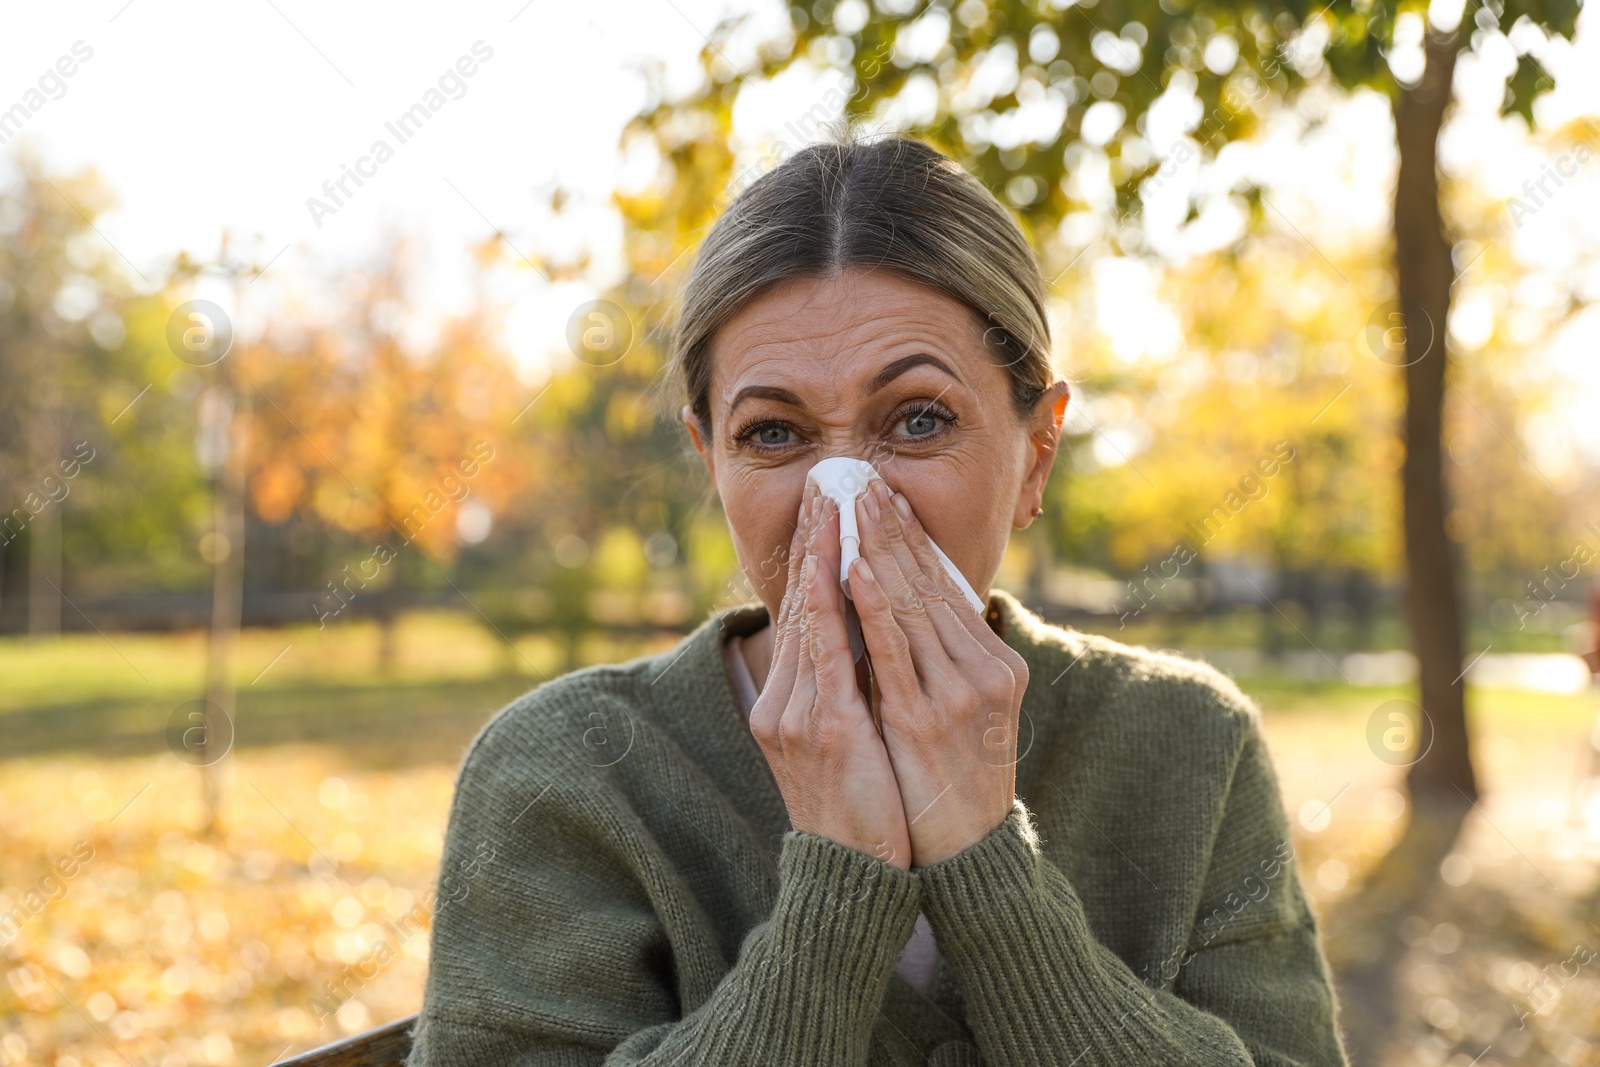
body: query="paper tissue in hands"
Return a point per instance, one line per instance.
(844, 479)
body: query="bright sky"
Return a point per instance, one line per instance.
(206, 116)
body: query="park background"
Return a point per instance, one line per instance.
(355, 445)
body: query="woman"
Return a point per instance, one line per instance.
(1057, 850)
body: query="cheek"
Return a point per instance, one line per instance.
(966, 510)
(958, 504)
(761, 513)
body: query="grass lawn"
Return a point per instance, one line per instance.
(171, 948)
(114, 693)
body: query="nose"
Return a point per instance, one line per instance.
(843, 478)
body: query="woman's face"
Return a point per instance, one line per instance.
(871, 365)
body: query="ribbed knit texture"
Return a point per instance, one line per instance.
(919, 960)
(620, 885)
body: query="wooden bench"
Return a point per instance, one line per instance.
(383, 1046)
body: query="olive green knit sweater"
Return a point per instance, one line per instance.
(620, 884)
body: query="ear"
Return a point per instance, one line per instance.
(700, 444)
(1044, 435)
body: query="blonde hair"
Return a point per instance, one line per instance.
(895, 204)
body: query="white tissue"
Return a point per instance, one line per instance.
(844, 479)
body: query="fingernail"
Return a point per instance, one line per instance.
(902, 507)
(869, 500)
(809, 567)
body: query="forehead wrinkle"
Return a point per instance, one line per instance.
(824, 397)
(831, 308)
(886, 339)
(825, 327)
(771, 332)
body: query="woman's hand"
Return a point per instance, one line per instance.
(811, 720)
(950, 688)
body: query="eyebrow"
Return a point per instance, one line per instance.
(767, 392)
(905, 363)
(879, 380)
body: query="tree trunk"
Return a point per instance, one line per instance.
(1364, 944)
(1443, 776)
(388, 604)
(227, 597)
(44, 531)
(387, 644)
(44, 572)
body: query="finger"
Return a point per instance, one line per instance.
(830, 552)
(803, 695)
(896, 572)
(796, 710)
(943, 602)
(828, 599)
(974, 623)
(824, 539)
(785, 648)
(796, 552)
(894, 672)
(830, 641)
(961, 630)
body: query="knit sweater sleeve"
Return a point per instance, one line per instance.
(1250, 988)
(547, 947)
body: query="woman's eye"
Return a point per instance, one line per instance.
(764, 436)
(923, 421)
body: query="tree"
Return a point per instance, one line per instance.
(380, 438)
(616, 483)
(61, 291)
(1264, 434)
